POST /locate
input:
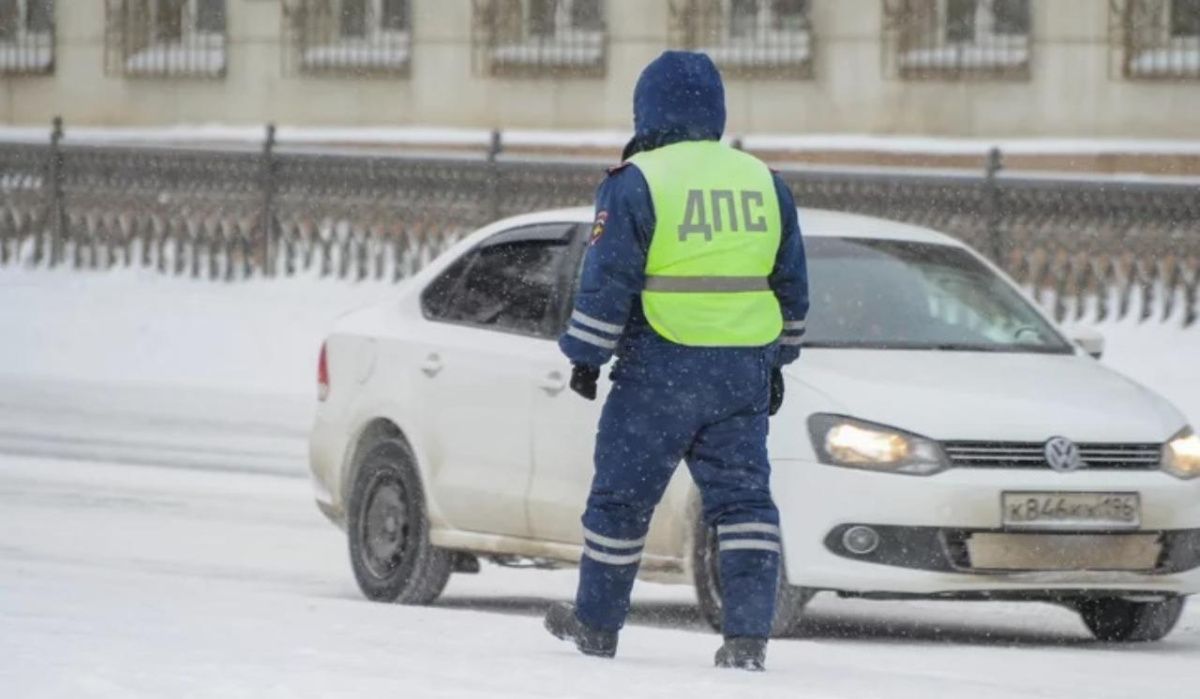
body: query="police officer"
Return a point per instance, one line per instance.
(695, 277)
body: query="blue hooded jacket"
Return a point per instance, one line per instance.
(679, 97)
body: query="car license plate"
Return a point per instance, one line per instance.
(1031, 551)
(1071, 511)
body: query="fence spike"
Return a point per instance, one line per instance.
(1171, 286)
(1147, 277)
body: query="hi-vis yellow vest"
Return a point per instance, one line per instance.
(715, 241)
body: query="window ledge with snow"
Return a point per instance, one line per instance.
(389, 52)
(966, 56)
(203, 55)
(1178, 60)
(32, 53)
(772, 49)
(566, 49)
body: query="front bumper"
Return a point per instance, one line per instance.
(924, 522)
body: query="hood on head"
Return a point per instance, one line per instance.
(679, 97)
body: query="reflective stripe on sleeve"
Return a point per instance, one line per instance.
(612, 543)
(706, 284)
(747, 528)
(611, 559)
(793, 325)
(750, 544)
(591, 339)
(590, 322)
(791, 340)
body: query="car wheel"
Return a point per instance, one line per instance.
(706, 575)
(1114, 619)
(388, 528)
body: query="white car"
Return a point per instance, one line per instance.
(941, 438)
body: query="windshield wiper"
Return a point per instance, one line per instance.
(959, 347)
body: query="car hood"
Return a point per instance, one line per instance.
(985, 396)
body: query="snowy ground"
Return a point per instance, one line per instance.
(122, 578)
(137, 581)
(136, 366)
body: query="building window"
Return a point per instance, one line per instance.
(1156, 39)
(350, 37)
(747, 38)
(26, 36)
(957, 39)
(540, 37)
(166, 38)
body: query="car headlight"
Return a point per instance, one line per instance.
(844, 441)
(1181, 455)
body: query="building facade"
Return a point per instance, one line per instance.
(994, 68)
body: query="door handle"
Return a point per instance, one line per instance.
(553, 383)
(432, 365)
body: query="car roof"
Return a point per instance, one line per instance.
(814, 223)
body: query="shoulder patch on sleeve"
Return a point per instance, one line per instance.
(617, 168)
(598, 227)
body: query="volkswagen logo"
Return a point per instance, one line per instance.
(1062, 455)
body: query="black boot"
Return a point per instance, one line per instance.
(743, 654)
(562, 622)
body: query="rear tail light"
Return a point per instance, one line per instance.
(322, 375)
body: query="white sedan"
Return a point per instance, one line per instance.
(941, 438)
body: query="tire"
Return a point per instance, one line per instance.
(388, 530)
(1117, 620)
(789, 599)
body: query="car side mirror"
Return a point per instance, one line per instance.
(1090, 341)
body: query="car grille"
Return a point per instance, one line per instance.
(1131, 457)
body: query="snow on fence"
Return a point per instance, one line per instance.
(234, 213)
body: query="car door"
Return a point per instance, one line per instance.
(564, 437)
(491, 315)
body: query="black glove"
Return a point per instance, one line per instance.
(776, 391)
(583, 380)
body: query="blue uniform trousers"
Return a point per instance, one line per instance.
(707, 406)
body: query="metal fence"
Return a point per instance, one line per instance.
(1090, 248)
(1155, 39)
(957, 39)
(348, 37)
(540, 38)
(748, 38)
(165, 38)
(26, 37)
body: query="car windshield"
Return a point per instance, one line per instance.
(890, 294)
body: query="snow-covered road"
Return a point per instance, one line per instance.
(139, 581)
(217, 578)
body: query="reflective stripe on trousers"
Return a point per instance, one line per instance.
(621, 552)
(748, 536)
